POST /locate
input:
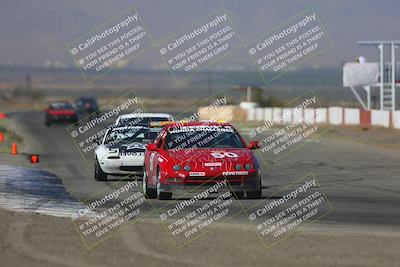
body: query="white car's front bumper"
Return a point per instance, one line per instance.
(123, 165)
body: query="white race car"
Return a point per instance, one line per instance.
(142, 118)
(121, 151)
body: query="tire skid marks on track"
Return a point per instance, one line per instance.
(33, 190)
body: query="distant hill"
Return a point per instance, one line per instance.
(35, 32)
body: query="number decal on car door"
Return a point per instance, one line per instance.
(152, 155)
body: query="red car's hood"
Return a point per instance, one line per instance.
(225, 158)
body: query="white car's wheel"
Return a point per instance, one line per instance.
(99, 175)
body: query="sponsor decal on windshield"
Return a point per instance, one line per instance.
(201, 128)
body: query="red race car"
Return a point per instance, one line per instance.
(61, 112)
(186, 155)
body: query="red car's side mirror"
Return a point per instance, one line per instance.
(152, 147)
(254, 145)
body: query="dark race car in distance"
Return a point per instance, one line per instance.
(60, 112)
(87, 105)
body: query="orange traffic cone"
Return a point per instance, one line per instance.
(14, 149)
(34, 159)
(1, 136)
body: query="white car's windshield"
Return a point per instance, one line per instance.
(127, 136)
(141, 120)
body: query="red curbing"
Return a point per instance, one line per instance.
(391, 119)
(365, 119)
(343, 117)
(328, 116)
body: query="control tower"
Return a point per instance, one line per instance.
(374, 74)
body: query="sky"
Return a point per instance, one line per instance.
(36, 32)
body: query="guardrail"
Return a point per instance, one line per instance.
(329, 115)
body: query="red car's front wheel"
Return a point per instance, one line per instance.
(148, 192)
(161, 195)
(255, 194)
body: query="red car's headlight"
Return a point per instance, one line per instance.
(248, 166)
(176, 167)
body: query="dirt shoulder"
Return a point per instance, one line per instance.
(40, 240)
(376, 136)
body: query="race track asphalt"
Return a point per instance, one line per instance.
(362, 182)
